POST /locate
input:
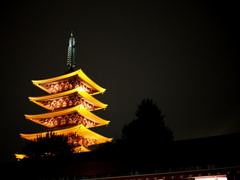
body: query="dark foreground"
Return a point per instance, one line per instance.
(181, 160)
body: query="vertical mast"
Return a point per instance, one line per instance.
(71, 54)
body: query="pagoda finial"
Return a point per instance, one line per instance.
(71, 63)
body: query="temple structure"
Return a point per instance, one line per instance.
(69, 103)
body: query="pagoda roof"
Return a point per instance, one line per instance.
(78, 73)
(80, 110)
(78, 90)
(79, 130)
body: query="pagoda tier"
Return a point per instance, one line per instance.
(72, 116)
(68, 99)
(69, 81)
(78, 135)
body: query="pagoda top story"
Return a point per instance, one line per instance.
(69, 81)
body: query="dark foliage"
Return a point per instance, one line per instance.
(148, 128)
(51, 145)
(143, 139)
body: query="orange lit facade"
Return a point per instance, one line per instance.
(70, 103)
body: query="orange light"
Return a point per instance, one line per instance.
(78, 109)
(79, 73)
(80, 149)
(80, 130)
(83, 94)
(20, 156)
(70, 102)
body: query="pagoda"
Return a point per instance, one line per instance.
(70, 103)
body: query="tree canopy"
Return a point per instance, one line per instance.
(148, 128)
(51, 145)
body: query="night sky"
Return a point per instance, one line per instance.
(183, 55)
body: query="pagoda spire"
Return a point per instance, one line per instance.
(71, 63)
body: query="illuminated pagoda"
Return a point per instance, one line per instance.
(70, 102)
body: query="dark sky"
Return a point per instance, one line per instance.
(183, 55)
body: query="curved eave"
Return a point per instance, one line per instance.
(20, 156)
(85, 78)
(78, 129)
(80, 149)
(80, 110)
(78, 90)
(80, 74)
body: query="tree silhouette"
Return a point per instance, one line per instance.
(148, 132)
(50, 145)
